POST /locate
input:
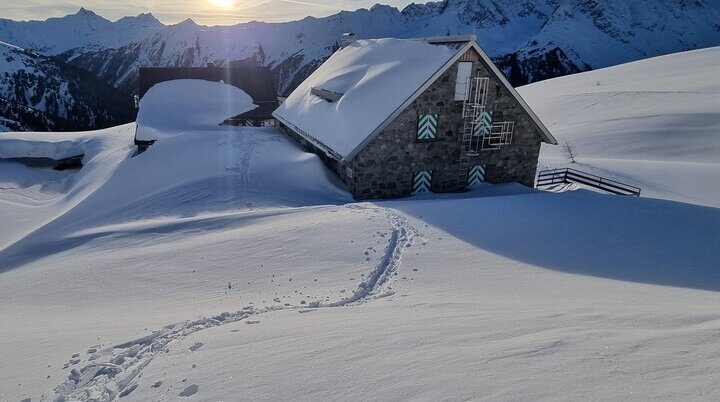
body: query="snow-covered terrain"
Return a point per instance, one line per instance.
(654, 124)
(230, 265)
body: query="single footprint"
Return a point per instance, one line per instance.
(196, 346)
(190, 390)
(130, 388)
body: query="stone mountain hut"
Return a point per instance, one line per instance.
(395, 117)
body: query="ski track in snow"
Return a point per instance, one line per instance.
(111, 372)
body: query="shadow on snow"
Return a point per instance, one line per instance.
(582, 232)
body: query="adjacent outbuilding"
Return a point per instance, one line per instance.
(256, 82)
(395, 117)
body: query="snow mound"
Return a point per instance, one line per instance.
(654, 123)
(187, 175)
(375, 78)
(177, 106)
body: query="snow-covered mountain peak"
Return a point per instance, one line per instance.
(83, 30)
(84, 19)
(377, 7)
(85, 11)
(146, 20)
(188, 22)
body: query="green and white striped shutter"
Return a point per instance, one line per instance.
(427, 126)
(483, 124)
(422, 182)
(476, 175)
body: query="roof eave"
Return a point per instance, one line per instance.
(545, 134)
(448, 39)
(328, 151)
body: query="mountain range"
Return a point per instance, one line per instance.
(530, 40)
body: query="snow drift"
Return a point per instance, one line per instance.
(192, 173)
(43, 145)
(179, 106)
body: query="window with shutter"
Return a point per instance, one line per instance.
(476, 176)
(427, 127)
(422, 182)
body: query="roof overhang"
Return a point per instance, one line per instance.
(448, 39)
(544, 132)
(317, 143)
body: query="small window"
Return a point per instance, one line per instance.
(422, 182)
(427, 127)
(462, 81)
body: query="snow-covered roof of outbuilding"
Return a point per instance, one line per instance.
(365, 85)
(174, 107)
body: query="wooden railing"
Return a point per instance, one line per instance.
(568, 175)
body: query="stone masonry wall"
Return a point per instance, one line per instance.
(386, 166)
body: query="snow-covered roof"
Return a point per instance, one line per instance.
(375, 77)
(365, 85)
(55, 146)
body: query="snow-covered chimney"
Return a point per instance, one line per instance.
(346, 39)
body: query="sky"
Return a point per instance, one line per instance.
(208, 12)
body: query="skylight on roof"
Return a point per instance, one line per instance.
(330, 96)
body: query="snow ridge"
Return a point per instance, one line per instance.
(111, 372)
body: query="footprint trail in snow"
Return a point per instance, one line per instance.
(111, 372)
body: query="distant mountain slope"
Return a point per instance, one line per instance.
(84, 29)
(530, 39)
(40, 93)
(17, 117)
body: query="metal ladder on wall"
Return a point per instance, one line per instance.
(473, 106)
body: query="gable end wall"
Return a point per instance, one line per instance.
(386, 166)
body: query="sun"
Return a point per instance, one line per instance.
(223, 3)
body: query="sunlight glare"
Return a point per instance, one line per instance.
(223, 3)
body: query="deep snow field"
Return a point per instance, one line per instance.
(228, 264)
(653, 123)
